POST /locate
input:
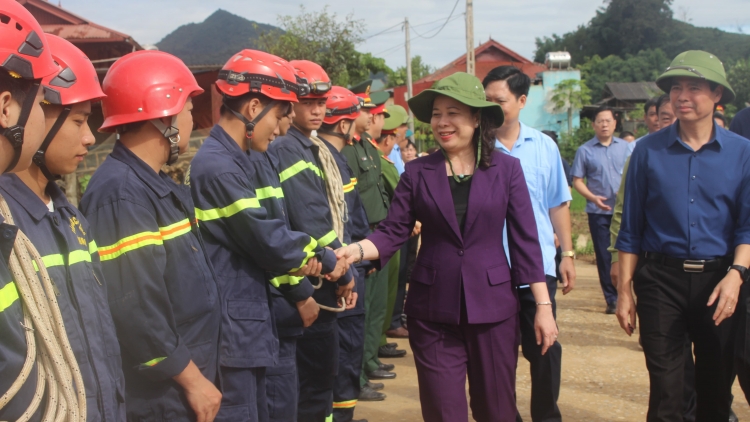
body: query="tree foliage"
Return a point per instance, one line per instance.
(323, 38)
(419, 70)
(628, 26)
(645, 66)
(738, 75)
(569, 95)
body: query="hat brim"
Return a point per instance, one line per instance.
(664, 82)
(421, 105)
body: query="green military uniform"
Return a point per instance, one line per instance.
(364, 160)
(390, 178)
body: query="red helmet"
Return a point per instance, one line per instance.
(341, 104)
(258, 72)
(146, 85)
(23, 50)
(76, 80)
(313, 81)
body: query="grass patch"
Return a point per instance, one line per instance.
(579, 202)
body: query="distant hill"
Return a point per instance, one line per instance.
(214, 40)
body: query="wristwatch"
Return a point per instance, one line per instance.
(571, 254)
(740, 269)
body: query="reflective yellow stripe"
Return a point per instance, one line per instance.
(76, 257)
(228, 211)
(92, 247)
(345, 404)
(58, 260)
(154, 361)
(297, 168)
(351, 185)
(269, 192)
(327, 239)
(286, 279)
(8, 295)
(308, 254)
(140, 240)
(329, 418)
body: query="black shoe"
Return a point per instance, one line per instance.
(387, 366)
(380, 374)
(359, 420)
(732, 416)
(385, 352)
(611, 309)
(391, 345)
(377, 386)
(368, 394)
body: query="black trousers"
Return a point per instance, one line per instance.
(282, 383)
(317, 364)
(351, 347)
(408, 257)
(672, 306)
(742, 355)
(599, 228)
(545, 369)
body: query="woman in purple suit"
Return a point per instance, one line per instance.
(462, 304)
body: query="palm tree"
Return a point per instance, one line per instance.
(569, 95)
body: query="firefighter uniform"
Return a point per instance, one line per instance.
(162, 290)
(351, 323)
(64, 242)
(309, 211)
(364, 161)
(13, 345)
(245, 244)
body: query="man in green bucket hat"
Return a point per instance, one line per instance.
(684, 243)
(462, 307)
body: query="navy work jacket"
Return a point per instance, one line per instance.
(162, 290)
(302, 180)
(248, 248)
(63, 239)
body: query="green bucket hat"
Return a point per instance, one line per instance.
(697, 64)
(460, 86)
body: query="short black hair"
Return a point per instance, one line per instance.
(518, 82)
(551, 133)
(236, 103)
(626, 133)
(17, 87)
(410, 144)
(661, 101)
(652, 102)
(602, 109)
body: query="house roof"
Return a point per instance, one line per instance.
(488, 56)
(631, 91)
(58, 21)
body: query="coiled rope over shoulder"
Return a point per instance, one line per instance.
(59, 377)
(336, 202)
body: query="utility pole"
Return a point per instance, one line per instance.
(470, 62)
(409, 91)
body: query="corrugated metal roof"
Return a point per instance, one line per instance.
(80, 32)
(633, 91)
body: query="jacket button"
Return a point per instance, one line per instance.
(460, 252)
(8, 234)
(56, 220)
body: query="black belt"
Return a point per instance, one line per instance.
(690, 265)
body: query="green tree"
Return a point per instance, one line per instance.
(570, 141)
(645, 66)
(738, 75)
(570, 95)
(419, 70)
(323, 38)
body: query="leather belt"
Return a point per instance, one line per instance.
(689, 265)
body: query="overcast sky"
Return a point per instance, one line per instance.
(515, 23)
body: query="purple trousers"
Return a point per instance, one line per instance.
(445, 354)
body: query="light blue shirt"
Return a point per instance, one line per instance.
(395, 156)
(602, 167)
(548, 187)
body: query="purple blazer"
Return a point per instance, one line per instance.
(498, 194)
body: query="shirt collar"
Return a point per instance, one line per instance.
(298, 135)
(525, 134)
(674, 136)
(33, 205)
(615, 140)
(155, 181)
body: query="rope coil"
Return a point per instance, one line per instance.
(59, 378)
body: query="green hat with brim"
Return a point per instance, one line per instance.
(379, 97)
(403, 114)
(697, 64)
(396, 119)
(460, 86)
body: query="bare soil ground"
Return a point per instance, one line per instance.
(604, 375)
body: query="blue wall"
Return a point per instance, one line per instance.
(535, 113)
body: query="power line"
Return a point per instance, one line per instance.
(390, 50)
(391, 29)
(383, 31)
(441, 28)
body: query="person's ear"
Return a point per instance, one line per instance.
(252, 108)
(522, 100)
(6, 101)
(717, 93)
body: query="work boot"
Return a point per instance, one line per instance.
(387, 352)
(387, 366)
(377, 386)
(732, 416)
(368, 394)
(380, 374)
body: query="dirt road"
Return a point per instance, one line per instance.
(604, 375)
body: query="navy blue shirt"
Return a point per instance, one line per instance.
(684, 203)
(741, 123)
